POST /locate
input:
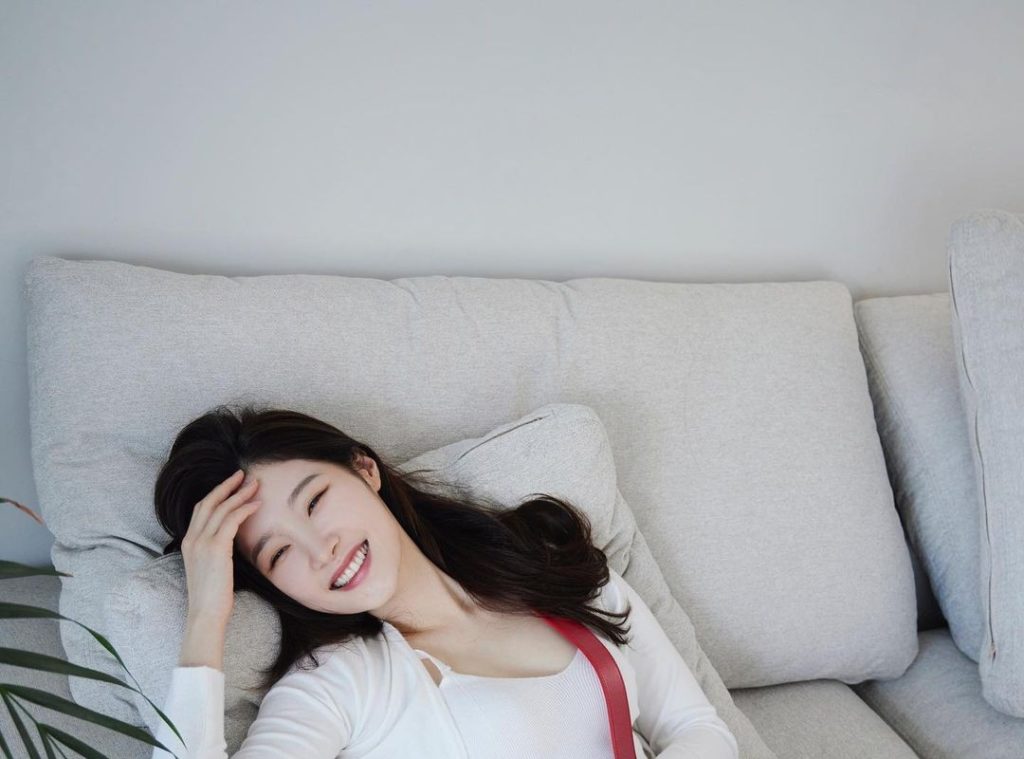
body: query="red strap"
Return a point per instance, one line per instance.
(611, 682)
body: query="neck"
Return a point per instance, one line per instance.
(427, 601)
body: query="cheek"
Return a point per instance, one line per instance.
(297, 583)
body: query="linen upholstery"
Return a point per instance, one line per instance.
(819, 719)
(938, 708)
(929, 615)
(986, 284)
(559, 449)
(907, 344)
(739, 415)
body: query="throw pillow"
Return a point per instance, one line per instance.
(986, 284)
(560, 449)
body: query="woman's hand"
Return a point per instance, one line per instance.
(207, 550)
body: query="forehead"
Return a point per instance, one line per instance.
(279, 482)
(279, 478)
(275, 471)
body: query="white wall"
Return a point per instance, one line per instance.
(698, 141)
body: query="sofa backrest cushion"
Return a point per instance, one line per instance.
(986, 280)
(739, 414)
(907, 343)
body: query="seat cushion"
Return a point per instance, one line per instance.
(907, 343)
(739, 414)
(559, 449)
(818, 719)
(938, 708)
(986, 279)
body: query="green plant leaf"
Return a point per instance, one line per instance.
(72, 742)
(70, 708)
(22, 611)
(6, 748)
(165, 718)
(12, 569)
(46, 663)
(50, 740)
(47, 741)
(26, 739)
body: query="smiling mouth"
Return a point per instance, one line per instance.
(355, 568)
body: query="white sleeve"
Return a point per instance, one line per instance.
(293, 721)
(674, 715)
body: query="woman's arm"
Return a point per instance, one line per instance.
(674, 716)
(297, 719)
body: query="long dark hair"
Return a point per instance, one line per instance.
(536, 557)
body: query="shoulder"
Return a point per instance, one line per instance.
(360, 672)
(614, 594)
(337, 679)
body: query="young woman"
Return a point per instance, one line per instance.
(409, 609)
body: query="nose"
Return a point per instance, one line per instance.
(325, 551)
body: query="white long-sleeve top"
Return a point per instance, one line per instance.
(538, 702)
(372, 698)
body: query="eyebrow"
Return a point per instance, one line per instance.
(291, 503)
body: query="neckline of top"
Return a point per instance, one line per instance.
(449, 672)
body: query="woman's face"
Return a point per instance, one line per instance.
(320, 531)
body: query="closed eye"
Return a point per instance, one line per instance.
(312, 505)
(313, 502)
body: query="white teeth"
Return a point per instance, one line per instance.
(352, 567)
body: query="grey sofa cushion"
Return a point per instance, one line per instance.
(739, 413)
(938, 708)
(560, 449)
(820, 719)
(907, 344)
(929, 615)
(986, 281)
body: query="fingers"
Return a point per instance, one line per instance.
(240, 500)
(229, 526)
(220, 492)
(204, 516)
(215, 495)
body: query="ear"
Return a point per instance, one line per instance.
(369, 470)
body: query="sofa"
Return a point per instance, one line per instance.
(788, 478)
